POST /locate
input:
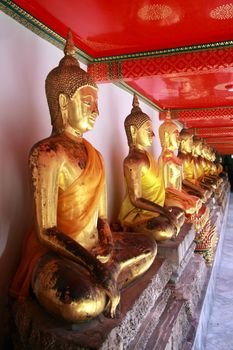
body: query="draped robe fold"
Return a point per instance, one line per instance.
(152, 188)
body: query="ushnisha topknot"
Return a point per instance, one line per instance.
(136, 118)
(185, 134)
(196, 139)
(65, 79)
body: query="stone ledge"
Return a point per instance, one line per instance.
(172, 328)
(191, 283)
(179, 251)
(150, 322)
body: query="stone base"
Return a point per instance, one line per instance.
(178, 252)
(37, 330)
(172, 328)
(151, 321)
(192, 283)
(167, 330)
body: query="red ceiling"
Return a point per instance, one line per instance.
(189, 91)
(110, 27)
(133, 31)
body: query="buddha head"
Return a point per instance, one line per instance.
(138, 127)
(197, 146)
(214, 157)
(205, 150)
(71, 94)
(211, 154)
(169, 134)
(186, 141)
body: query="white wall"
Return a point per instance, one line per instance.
(26, 60)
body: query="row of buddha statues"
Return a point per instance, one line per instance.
(71, 261)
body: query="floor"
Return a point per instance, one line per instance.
(220, 327)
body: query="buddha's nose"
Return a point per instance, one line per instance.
(95, 110)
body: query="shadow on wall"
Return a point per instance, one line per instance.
(116, 178)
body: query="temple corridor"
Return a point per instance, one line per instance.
(220, 327)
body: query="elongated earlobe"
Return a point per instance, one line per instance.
(63, 103)
(167, 139)
(133, 131)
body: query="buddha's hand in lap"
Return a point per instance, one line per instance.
(103, 252)
(108, 280)
(171, 217)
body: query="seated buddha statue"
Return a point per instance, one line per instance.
(220, 168)
(71, 262)
(201, 168)
(196, 212)
(206, 161)
(190, 183)
(143, 207)
(211, 174)
(172, 169)
(221, 172)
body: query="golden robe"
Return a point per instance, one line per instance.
(152, 189)
(71, 218)
(175, 196)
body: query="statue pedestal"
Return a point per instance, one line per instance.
(179, 251)
(170, 329)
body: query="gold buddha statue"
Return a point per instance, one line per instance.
(172, 168)
(208, 159)
(195, 211)
(220, 168)
(190, 183)
(201, 168)
(143, 207)
(71, 261)
(211, 174)
(190, 154)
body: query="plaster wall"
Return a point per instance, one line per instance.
(26, 60)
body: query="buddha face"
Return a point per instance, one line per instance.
(205, 152)
(144, 135)
(174, 139)
(212, 155)
(187, 144)
(81, 109)
(197, 149)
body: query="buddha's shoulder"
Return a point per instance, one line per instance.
(49, 143)
(136, 159)
(48, 147)
(182, 156)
